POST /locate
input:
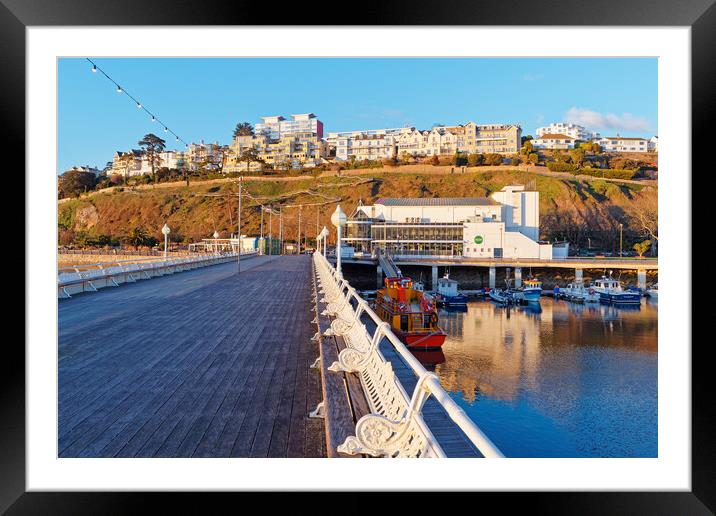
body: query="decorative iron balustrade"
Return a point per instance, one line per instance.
(395, 427)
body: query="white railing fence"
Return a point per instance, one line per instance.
(92, 277)
(395, 427)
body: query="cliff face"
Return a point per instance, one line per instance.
(572, 209)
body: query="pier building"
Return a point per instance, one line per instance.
(504, 225)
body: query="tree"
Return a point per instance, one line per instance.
(249, 156)
(474, 160)
(139, 237)
(642, 247)
(526, 148)
(493, 159)
(153, 145)
(577, 156)
(533, 158)
(74, 182)
(243, 129)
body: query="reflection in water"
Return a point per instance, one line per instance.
(556, 379)
(429, 357)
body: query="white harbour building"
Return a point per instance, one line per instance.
(504, 225)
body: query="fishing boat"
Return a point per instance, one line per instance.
(448, 294)
(653, 292)
(411, 313)
(531, 290)
(578, 293)
(611, 291)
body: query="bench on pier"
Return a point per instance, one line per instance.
(344, 401)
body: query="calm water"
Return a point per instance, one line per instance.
(562, 380)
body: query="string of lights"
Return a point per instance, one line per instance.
(139, 105)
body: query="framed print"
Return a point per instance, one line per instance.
(255, 252)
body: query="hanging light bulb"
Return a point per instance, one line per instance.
(94, 68)
(153, 119)
(119, 89)
(165, 129)
(177, 138)
(139, 106)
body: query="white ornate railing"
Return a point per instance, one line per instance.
(92, 277)
(395, 427)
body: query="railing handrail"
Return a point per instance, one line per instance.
(457, 414)
(159, 264)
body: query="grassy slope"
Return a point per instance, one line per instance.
(567, 207)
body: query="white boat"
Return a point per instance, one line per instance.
(653, 292)
(611, 291)
(578, 293)
(503, 297)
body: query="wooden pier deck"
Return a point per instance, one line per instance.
(204, 363)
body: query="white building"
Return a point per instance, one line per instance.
(276, 127)
(619, 144)
(653, 144)
(574, 131)
(373, 144)
(87, 168)
(553, 141)
(505, 225)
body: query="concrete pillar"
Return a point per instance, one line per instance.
(518, 277)
(434, 278)
(379, 277)
(492, 277)
(641, 279)
(578, 277)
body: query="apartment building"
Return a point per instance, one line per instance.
(469, 138)
(620, 144)
(374, 144)
(553, 141)
(276, 127)
(137, 162)
(574, 131)
(203, 155)
(653, 144)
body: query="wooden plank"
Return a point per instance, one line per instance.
(181, 365)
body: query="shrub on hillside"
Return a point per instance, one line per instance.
(606, 173)
(560, 166)
(435, 161)
(74, 182)
(473, 160)
(493, 159)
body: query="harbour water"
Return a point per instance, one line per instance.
(556, 380)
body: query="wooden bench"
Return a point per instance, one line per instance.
(344, 401)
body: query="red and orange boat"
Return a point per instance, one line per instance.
(411, 313)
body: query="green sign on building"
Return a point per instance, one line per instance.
(478, 239)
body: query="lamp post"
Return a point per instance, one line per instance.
(216, 244)
(338, 219)
(165, 232)
(324, 238)
(621, 227)
(238, 233)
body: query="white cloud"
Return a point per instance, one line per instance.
(595, 120)
(532, 76)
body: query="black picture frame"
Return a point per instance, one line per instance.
(700, 15)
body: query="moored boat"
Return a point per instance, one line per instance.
(411, 313)
(611, 291)
(503, 297)
(578, 293)
(448, 294)
(531, 290)
(653, 292)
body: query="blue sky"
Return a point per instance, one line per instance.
(205, 98)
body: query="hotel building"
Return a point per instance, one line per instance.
(469, 139)
(574, 131)
(504, 225)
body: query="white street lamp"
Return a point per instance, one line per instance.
(338, 219)
(165, 232)
(216, 244)
(324, 238)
